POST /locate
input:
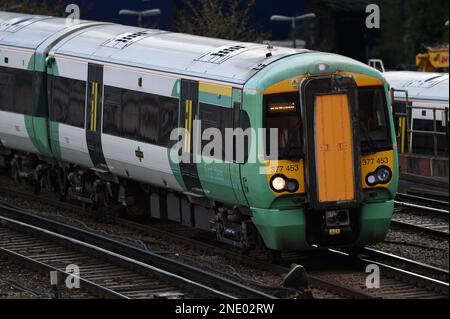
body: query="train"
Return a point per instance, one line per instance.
(426, 95)
(90, 110)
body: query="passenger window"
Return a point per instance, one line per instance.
(68, 102)
(139, 116)
(112, 111)
(149, 132)
(6, 90)
(131, 115)
(168, 119)
(213, 116)
(23, 101)
(16, 91)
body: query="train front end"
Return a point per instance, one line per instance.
(331, 178)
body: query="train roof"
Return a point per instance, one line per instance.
(184, 54)
(222, 60)
(420, 85)
(31, 31)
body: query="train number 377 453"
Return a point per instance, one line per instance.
(372, 161)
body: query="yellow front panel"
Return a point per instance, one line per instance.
(370, 163)
(334, 149)
(290, 169)
(292, 84)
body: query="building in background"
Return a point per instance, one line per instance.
(340, 27)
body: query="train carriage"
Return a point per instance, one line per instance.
(423, 98)
(110, 99)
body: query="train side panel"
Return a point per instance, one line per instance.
(140, 110)
(67, 84)
(17, 129)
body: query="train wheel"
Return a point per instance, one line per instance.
(62, 183)
(108, 196)
(15, 171)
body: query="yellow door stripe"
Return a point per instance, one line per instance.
(95, 105)
(188, 126)
(92, 106)
(186, 120)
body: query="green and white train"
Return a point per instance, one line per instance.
(89, 108)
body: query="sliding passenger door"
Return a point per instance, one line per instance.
(235, 168)
(188, 113)
(94, 110)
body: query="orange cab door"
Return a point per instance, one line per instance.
(334, 149)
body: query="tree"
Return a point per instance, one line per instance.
(407, 25)
(225, 19)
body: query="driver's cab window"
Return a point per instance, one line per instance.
(373, 119)
(282, 112)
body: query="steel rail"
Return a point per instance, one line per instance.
(402, 197)
(423, 208)
(431, 271)
(315, 281)
(97, 289)
(416, 228)
(137, 256)
(425, 281)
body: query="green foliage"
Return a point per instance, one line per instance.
(408, 25)
(226, 19)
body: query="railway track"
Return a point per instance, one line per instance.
(420, 214)
(405, 264)
(18, 282)
(440, 207)
(395, 282)
(108, 268)
(179, 233)
(345, 282)
(347, 274)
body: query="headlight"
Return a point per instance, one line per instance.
(371, 180)
(278, 183)
(292, 186)
(384, 174)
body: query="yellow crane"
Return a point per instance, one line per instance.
(435, 59)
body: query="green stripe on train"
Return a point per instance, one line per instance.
(38, 62)
(176, 89)
(37, 127)
(37, 131)
(54, 139)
